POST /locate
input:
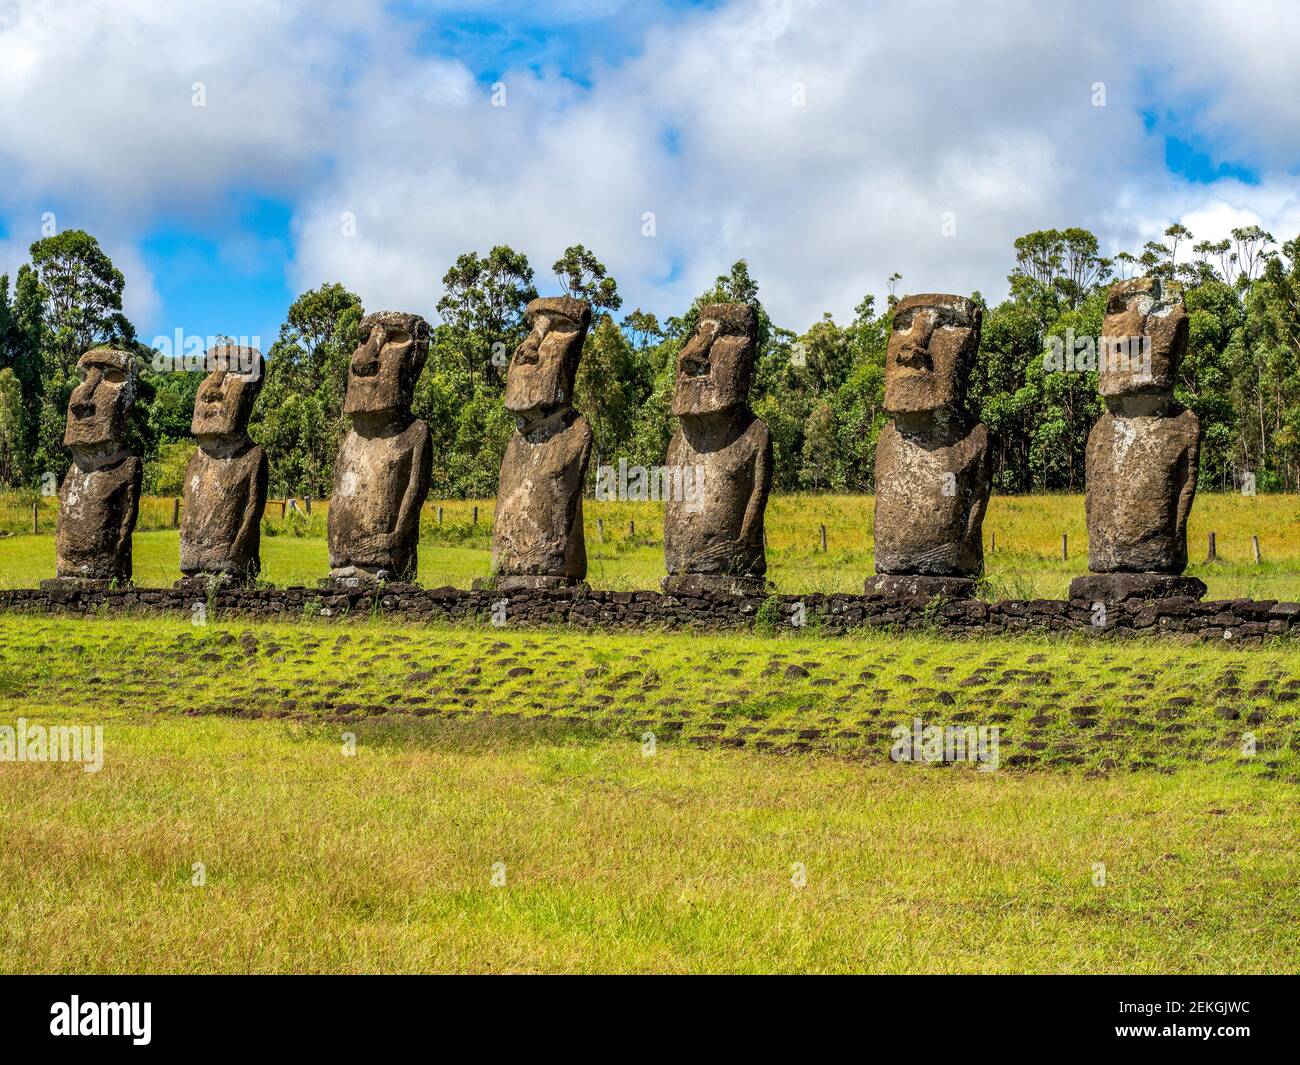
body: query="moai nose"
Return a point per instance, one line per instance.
(83, 395)
(527, 351)
(695, 356)
(366, 360)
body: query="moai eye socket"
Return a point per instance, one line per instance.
(396, 338)
(113, 375)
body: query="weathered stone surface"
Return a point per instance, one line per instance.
(933, 465)
(704, 584)
(226, 479)
(1141, 478)
(1142, 454)
(537, 531)
(381, 477)
(916, 586)
(100, 496)
(1116, 587)
(719, 461)
(529, 583)
(1144, 334)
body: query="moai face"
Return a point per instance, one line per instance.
(545, 366)
(1145, 331)
(97, 408)
(225, 398)
(931, 349)
(383, 370)
(715, 367)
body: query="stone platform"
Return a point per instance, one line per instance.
(1230, 623)
(1117, 587)
(910, 586)
(693, 584)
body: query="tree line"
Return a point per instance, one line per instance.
(820, 390)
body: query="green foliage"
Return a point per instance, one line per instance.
(583, 277)
(820, 391)
(483, 312)
(81, 295)
(11, 428)
(768, 617)
(299, 415)
(165, 475)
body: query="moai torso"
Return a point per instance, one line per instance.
(719, 462)
(221, 513)
(380, 482)
(226, 478)
(100, 497)
(538, 526)
(537, 534)
(720, 529)
(1141, 480)
(930, 500)
(932, 460)
(1142, 454)
(97, 512)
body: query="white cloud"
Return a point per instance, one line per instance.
(982, 111)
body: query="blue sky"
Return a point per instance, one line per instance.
(824, 142)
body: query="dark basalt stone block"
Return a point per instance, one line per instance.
(902, 586)
(1117, 587)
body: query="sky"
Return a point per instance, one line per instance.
(232, 154)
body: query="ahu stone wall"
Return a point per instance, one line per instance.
(1231, 622)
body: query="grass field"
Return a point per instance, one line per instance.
(624, 544)
(374, 797)
(503, 809)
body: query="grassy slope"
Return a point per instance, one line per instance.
(225, 748)
(1027, 562)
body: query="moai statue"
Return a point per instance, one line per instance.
(100, 497)
(225, 481)
(719, 465)
(537, 538)
(933, 466)
(381, 476)
(1142, 454)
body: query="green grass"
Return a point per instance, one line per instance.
(225, 745)
(1026, 564)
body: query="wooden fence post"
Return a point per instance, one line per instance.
(176, 512)
(631, 529)
(823, 535)
(1065, 547)
(1214, 553)
(440, 515)
(600, 529)
(475, 517)
(1254, 543)
(36, 508)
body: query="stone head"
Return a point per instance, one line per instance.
(1144, 338)
(716, 365)
(383, 370)
(544, 367)
(226, 396)
(98, 405)
(932, 347)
